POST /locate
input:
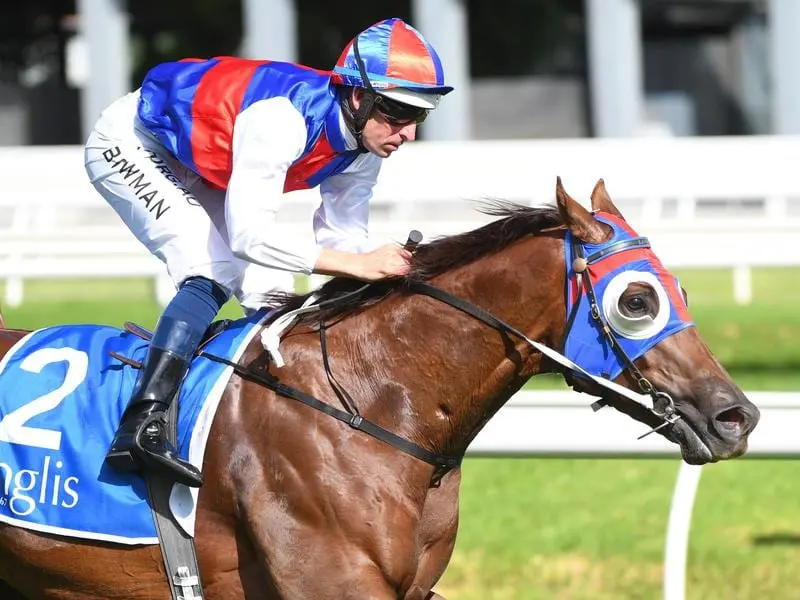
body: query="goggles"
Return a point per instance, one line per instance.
(397, 113)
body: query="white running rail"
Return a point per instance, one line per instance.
(731, 202)
(552, 424)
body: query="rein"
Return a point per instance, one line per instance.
(663, 406)
(443, 463)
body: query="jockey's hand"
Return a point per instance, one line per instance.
(386, 261)
(390, 260)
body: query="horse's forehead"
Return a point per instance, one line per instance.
(637, 261)
(610, 274)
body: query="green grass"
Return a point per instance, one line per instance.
(109, 302)
(752, 337)
(758, 344)
(594, 530)
(560, 529)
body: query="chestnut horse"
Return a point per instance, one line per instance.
(298, 505)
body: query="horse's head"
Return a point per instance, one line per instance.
(618, 292)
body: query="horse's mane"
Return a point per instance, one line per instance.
(443, 254)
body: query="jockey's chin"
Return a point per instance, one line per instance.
(383, 150)
(383, 138)
(388, 149)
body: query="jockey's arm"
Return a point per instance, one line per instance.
(342, 219)
(341, 222)
(268, 137)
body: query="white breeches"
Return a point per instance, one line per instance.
(169, 208)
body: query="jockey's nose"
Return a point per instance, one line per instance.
(409, 132)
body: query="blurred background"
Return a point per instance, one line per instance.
(690, 110)
(691, 67)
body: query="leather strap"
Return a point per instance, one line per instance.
(177, 546)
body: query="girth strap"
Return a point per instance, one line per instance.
(442, 462)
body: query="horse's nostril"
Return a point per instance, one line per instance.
(730, 421)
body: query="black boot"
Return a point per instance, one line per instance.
(141, 439)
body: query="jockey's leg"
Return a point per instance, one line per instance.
(142, 435)
(164, 204)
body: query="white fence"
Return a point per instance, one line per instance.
(561, 424)
(730, 202)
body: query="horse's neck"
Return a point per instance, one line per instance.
(436, 374)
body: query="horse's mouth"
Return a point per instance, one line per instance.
(693, 449)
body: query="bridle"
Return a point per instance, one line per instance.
(663, 407)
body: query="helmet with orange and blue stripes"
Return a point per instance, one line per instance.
(395, 60)
(397, 67)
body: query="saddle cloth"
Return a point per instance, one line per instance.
(62, 396)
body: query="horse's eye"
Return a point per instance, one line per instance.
(635, 304)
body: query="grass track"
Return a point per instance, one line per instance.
(594, 530)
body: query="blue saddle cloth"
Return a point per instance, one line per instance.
(62, 396)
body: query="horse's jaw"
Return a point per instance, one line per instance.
(693, 449)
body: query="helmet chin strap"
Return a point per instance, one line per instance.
(356, 119)
(350, 117)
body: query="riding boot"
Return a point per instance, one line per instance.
(142, 439)
(142, 435)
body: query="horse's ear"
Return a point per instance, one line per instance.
(602, 201)
(578, 219)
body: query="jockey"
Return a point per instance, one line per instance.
(196, 163)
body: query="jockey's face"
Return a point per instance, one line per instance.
(383, 135)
